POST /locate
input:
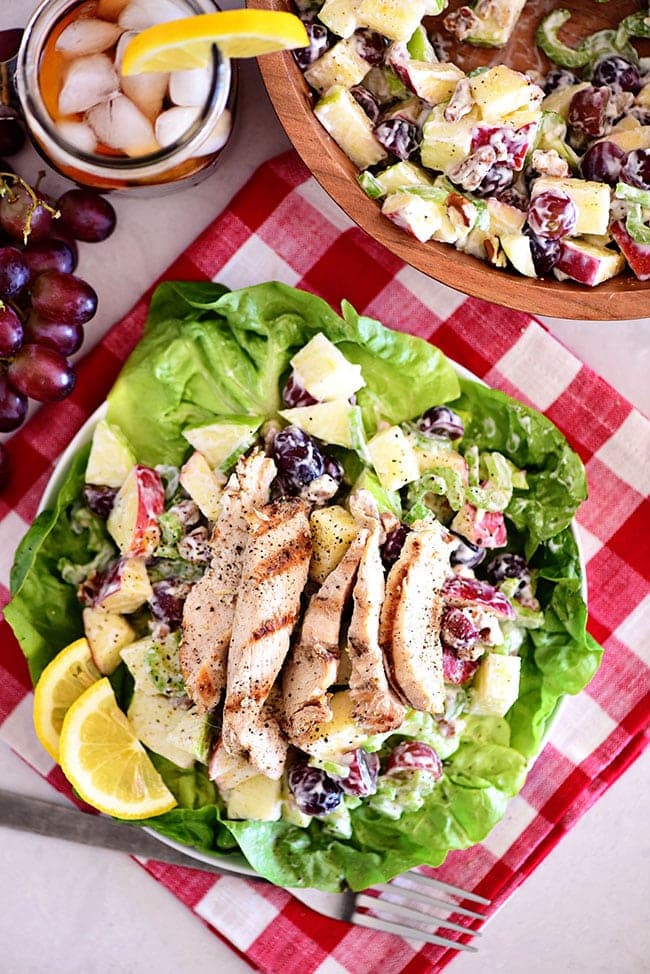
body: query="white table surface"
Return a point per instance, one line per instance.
(66, 908)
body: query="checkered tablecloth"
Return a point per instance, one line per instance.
(282, 226)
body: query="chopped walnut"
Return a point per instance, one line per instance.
(494, 10)
(471, 172)
(461, 102)
(493, 252)
(320, 490)
(461, 211)
(550, 163)
(461, 23)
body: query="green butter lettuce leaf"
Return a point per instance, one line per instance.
(207, 353)
(556, 479)
(44, 612)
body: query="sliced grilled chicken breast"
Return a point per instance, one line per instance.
(409, 632)
(376, 707)
(274, 573)
(312, 666)
(210, 606)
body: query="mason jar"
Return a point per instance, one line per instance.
(184, 161)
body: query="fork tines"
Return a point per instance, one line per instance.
(401, 908)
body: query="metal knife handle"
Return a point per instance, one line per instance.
(47, 818)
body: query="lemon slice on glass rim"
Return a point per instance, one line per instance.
(179, 45)
(105, 762)
(62, 682)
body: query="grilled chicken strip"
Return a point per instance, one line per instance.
(274, 573)
(210, 606)
(409, 631)
(376, 707)
(312, 666)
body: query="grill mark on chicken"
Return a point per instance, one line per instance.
(376, 707)
(274, 573)
(409, 632)
(312, 667)
(210, 606)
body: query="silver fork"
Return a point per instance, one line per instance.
(413, 905)
(409, 906)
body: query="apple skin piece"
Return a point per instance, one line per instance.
(133, 521)
(126, 587)
(637, 255)
(107, 634)
(432, 82)
(111, 457)
(587, 264)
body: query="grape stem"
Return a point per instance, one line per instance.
(36, 202)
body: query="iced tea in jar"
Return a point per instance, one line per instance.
(100, 129)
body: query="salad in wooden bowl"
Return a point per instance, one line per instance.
(503, 150)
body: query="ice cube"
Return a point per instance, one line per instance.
(87, 36)
(140, 14)
(88, 81)
(190, 87)
(120, 124)
(78, 134)
(218, 136)
(174, 123)
(146, 90)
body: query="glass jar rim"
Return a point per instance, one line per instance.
(38, 118)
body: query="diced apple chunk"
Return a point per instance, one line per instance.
(591, 200)
(396, 19)
(340, 735)
(333, 529)
(393, 458)
(340, 65)
(202, 484)
(258, 799)
(345, 120)
(334, 422)
(496, 685)
(221, 443)
(444, 144)
(153, 718)
(324, 371)
(421, 217)
(433, 82)
(401, 175)
(340, 16)
(630, 139)
(516, 247)
(111, 458)
(133, 521)
(500, 91)
(504, 218)
(126, 588)
(560, 100)
(588, 264)
(107, 634)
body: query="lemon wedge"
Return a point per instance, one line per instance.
(179, 45)
(106, 763)
(62, 681)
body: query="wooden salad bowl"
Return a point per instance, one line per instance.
(622, 297)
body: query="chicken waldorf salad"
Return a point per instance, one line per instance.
(319, 595)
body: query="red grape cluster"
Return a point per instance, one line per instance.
(43, 304)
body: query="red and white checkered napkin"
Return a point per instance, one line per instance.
(282, 226)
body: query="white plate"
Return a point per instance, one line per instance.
(233, 862)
